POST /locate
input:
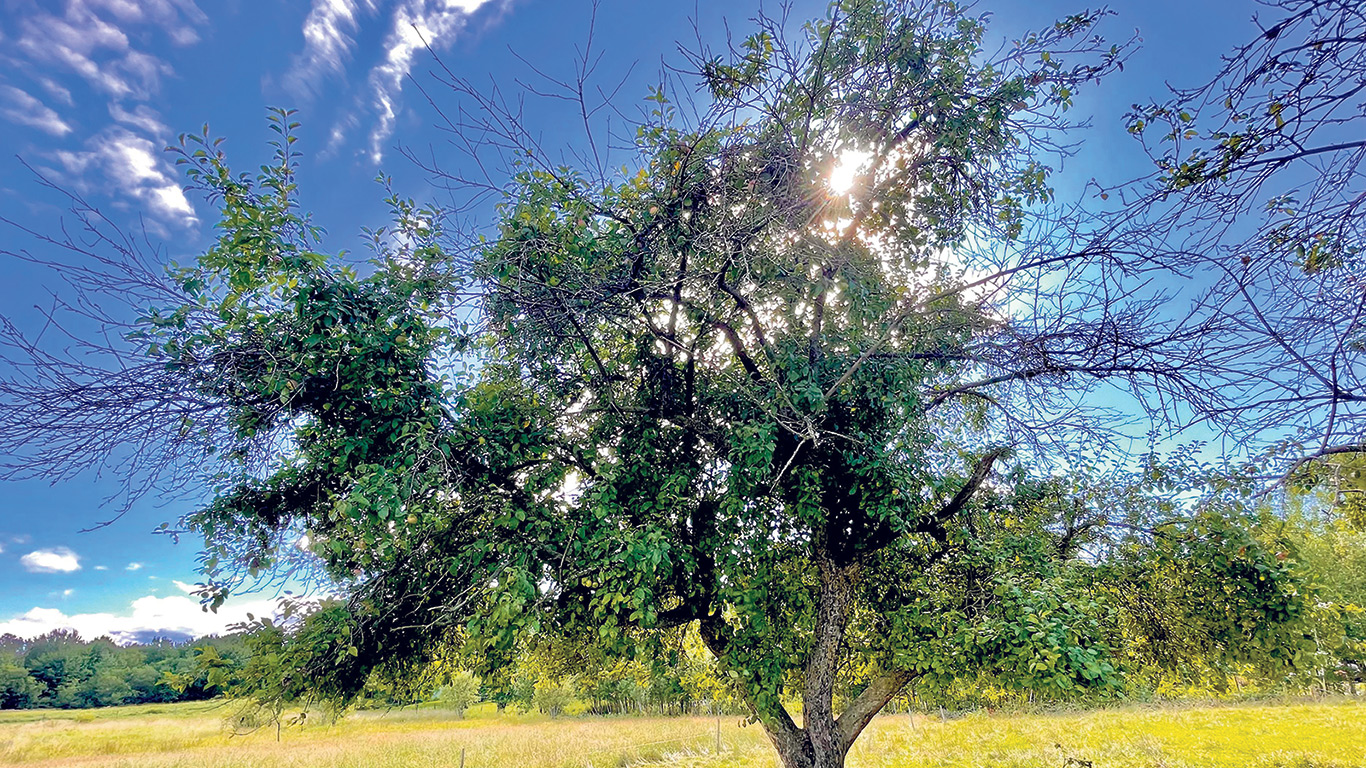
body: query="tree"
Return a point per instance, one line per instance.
(715, 390)
(17, 689)
(553, 697)
(57, 661)
(1259, 197)
(103, 689)
(61, 669)
(1335, 553)
(461, 692)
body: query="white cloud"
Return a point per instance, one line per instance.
(106, 43)
(337, 136)
(54, 560)
(20, 107)
(89, 38)
(328, 41)
(183, 587)
(75, 40)
(133, 567)
(417, 24)
(57, 90)
(133, 164)
(125, 10)
(140, 73)
(145, 617)
(68, 593)
(329, 33)
(178, 18)
(101, 567)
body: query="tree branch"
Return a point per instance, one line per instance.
(867, 704)
(975, 480)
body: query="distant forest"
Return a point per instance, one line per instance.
(59, 669)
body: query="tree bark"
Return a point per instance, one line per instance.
(862, 710)
(824, 740)
(832, 618)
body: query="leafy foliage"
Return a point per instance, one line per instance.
(461, 692)
(59, 669)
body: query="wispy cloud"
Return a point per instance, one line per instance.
(58, 91)
(417, 25)
(337, 136)
(140, 116)
(134, 164)
(106, 44)
(18, 106)
(145, 617)
(330, 31)
(133, 567)
(178, 18)
(53, 560)
(88, 37)
(81, 41)
(328, 40)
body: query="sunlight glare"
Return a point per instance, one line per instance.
(847, 168)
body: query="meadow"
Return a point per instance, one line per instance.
(1330, 734)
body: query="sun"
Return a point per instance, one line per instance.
(847, 168)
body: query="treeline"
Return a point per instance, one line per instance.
(1325, 540)
(563, 676)
(1328, 547)
(547, 676)
(632, 688)
(61, 670)
(691, 684)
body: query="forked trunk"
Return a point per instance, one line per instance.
(824, 739)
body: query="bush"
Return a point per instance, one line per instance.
(461, 693)
(552, 698)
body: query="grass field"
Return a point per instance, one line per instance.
(1300, 735)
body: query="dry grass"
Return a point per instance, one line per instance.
(195, 736)
(1306, 735)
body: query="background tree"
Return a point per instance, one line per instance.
(18, 690)
(59, 669)
(553, 697)
(719, 389)
(461, 693)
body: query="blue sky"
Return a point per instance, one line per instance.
(92, 90)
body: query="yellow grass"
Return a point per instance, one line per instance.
(1304, 735)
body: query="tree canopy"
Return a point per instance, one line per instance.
(59, 669)
(811, 374)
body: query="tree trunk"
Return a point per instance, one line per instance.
(824, 739)
(836, 598)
